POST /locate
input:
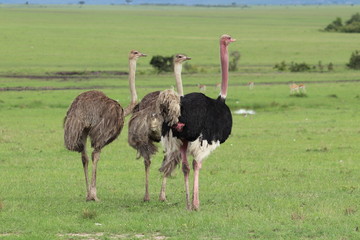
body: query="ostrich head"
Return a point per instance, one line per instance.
(134, 55)
(180, 58)
(226, 39)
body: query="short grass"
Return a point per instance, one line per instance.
(290, 171)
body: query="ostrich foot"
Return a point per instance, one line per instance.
(162, 197)
(196, 206)
(146, 198)
(92, 198)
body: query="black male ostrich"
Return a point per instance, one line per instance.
(204, 124)
(95, 115)
(148, 117)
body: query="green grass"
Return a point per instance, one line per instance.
(290, 171)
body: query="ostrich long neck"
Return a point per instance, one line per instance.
(224, 59)
(179, 86)
(132, 70)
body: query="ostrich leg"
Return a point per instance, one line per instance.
(147, 163)
(162, 196)
(85, 162)
(92, 194)
(186, 171)
(196, 201)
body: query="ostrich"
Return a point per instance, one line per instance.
(95, 115)
(148, 117)
(204, 124)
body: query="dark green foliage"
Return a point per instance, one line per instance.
(162, 64)
(234, 59)
(281, 66)
(299, 67)
(354, 18)
(354, 62)
(335, 26)
(351, 26)
(330, 67)
(302, 67)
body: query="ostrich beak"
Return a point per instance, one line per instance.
(232, 40)
(188, 58)
(143, 55)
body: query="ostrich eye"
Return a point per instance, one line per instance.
(180, 56)
(136, 52)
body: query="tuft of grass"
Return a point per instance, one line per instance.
(322, 149)
(332, 96)
(1, 205)
(89, 214)
(350, 211)
(295, 216)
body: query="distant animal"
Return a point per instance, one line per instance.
(251, 85)
(148, 117)
(93, 114)
(294, 88)
(302, 88)
(202, 87)
(203, 125)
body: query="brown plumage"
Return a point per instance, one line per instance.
(92, 114)
(147, 119)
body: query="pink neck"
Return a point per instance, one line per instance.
(224, 59)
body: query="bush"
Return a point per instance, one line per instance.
(302, 67)
(234, 59)
(281, 66)
(351, 26)
(299, 67)
(162, 64)
(354, 62)
(335, 26)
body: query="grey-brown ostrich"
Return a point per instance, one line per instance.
(148, 117)
(92, 114)
(168, 166)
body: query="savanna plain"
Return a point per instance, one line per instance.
(290, 171)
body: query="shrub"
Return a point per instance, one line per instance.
(354, 62)
(299, 67)
(351, 26)
(162, 64)
(330, 67)
(234, 59)
(281, 66)
(302, 67)
(335, 26)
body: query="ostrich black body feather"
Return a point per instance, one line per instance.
(204, 117)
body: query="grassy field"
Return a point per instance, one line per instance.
(291, 171)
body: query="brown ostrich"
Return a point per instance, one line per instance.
(148, 117)
(95, 115)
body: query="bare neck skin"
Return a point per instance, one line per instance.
(132, 70)
(224, 59)
(177, 71)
